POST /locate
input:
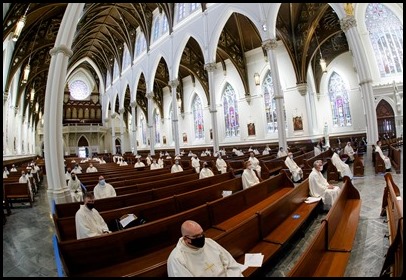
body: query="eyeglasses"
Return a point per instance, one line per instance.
(195, 236)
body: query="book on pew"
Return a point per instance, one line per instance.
(311, 199)
(130, 220)
(254, 260)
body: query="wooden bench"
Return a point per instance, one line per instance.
(329, 251)
(358, 165)
(395, 158)
(393, 207)
(283, 218)
(379, 164)
(17, 192)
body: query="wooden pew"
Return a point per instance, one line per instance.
(393, 206)
(283, 218)
(358, 166)
(379, 164)
(142, 250)
(245, 238)
(329, 252)
(395, 158)
(17, 192)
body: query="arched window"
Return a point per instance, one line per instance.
(386, 34)
(164, 24)
(126, 58)
(116, 71)
(181, 8)
(108, 79)
(231, 116)
(340, 106)
(140, 45)
(155, 34)
(79, 90)
(270, 104)
(157, 127)
(143, 130)
(198, 117)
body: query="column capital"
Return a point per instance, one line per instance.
(149, 95)
(209, 67)
(270, 44)
(61, 49)
(302, 88)
(133, 103)
(106, 120)
(113, 115)
(347, 23)
(173, 83)
(121, 110)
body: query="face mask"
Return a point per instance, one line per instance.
(73, 177)
(198, 242)
(102, 182)
(176, 163)
(90, 206)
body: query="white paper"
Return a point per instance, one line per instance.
(227, 193)
(254, 260)
(242, 267)
(311, 199)
(125, 221)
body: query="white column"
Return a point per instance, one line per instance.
(134, 128)
(209, 67)
(175, 121)
(123, 142)
(270, 45)
(5, 118)
(150, 124)
(348, 25)
(113, 133)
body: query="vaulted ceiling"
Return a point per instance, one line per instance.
(105, 27)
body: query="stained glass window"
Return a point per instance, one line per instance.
(140, 45)
(231, 116)
(198, 117)
(339, 102)
(116, 71)
(181, 11)
(143, 130)
(108, 79)
(126, 58)
(79, 90)
(270, 104)
(156, 29)
(386, 35)
(157, 127)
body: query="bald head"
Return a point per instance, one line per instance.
(191, 228)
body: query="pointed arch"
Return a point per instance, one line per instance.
(339, 101)
(231, 115)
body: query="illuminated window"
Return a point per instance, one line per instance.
(79, 90)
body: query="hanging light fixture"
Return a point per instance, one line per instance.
(20, 25)
(36, 107)
(32, 93)
(322, 61)
(256, 79)
(27, 68)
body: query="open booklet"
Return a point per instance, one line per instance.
(311, 199)
(126, 219)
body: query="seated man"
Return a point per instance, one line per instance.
(255, 163)
(13, 168)
(198, 256)
(281, 153)
(348, 150)
(319, 187)
(295, 170)
(221, 165)
(249, 177)
(91, 168)
(75, 188)
(154, 165)
(88, 221)
(196, 163)
(139, 163)
(103, 189)
(206, 171)
(342, 167)
(386, 160)
(176, 167)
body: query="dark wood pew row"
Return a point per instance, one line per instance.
(328, 253)
(393, 208)
(395, 157)
(379, 163)
(322, 156)
(358, 165)
(17, 193)
(105, 204)
(155, 209)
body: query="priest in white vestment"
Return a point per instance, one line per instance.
(319, 187)
(139, 163)
(342, 167)
(249, 177)
(255, 163)
(198, 256)
(348, 150)
(295, 170)
(75, 188)
(176, 167)
(281, 153)
(88, 221)
(386, 160)
(155, 165)
(24, 179)
(206, 171)
(91, 168)
(221, 165)
(103, 189)
(196, 163)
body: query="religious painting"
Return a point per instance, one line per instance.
(251, 129)
(211, 134)
(297, 123)
(184, 137)
(164, 139)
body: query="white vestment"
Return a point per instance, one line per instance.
(249, 178)
(281, 154)
(161, 162)
(75, 190)
(176, 168)
(205, 172)
(342, 167)
(255, 164)
(91, 169)
(386, 160)
(148, 159)
(196, 164)
(5, 173)
(265, 152)
(155, 166)
(348, 150)
(318, 187)
(24, 179)
(210, 261)
(139, 164)
(297, 172)
(104, 191)
(221, 165)
(13, 169)
(89, 223)
(77, 170)
(317, 151)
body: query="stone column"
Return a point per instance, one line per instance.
(134, 128)
(150, 124)
(209, 67)
(270, 45)
(348, 25)
(57, 189)
(175, 122)
(113, 133)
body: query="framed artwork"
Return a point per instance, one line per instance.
(164, 139)
(297, 123)
(184, 137)
(251, 129)
(211, 134)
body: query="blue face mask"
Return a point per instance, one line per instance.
(102, 182)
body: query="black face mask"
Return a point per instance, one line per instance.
(198, 242)
(90, 205)
(73, 177)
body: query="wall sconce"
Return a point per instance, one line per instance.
(248, 98)
(36, 107)
(32, 94)
(256, 79)
(26, 72)
(20, 25)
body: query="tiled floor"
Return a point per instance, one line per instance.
(28, 251)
